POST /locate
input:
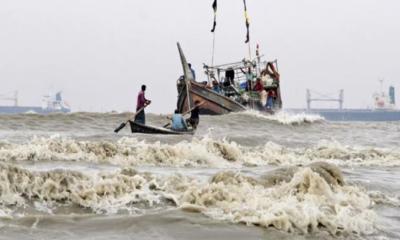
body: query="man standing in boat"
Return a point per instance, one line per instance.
(249, 78)
(142, 102)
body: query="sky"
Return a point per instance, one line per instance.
(99, 52)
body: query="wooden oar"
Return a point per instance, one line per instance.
(183, 114)
(134, 115)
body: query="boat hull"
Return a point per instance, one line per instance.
(214, 103)
(147, 129)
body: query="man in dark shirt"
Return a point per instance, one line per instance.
(195, 115)
(142, 102)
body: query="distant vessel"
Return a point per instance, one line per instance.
(50, 104)
(384, 108)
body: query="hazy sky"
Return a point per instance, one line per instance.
(99, 52)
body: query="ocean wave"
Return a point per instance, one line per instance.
(204, 151)
(106, 122)
(384, 199)
(286, 118)
(100, 192)
(126, 152)
(62, 121)
(305, 202)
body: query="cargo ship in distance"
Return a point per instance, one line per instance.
(384, 108)
(50, 104)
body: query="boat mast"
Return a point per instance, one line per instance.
(213, 50)
(188, 75)
(249, 45)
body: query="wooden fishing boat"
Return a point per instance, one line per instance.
(147, 129)
(214, 103)
(231, 98)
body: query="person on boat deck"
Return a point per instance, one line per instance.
(192, 70)
(178, 123)
(141, 103)
(249, 77)
(195, 114)
(230, 76)
(270, 99)
(215, 86)
(259, 87)
(180, 84)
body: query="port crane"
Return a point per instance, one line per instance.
(7, 97)
(323, 98)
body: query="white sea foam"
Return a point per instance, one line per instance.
(286, 118)
(386, 199)
(126, 151)
(101, 192)
(205, 151)
(306, 202)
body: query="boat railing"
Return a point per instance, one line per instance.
(218, 72)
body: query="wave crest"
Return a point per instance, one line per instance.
(286, 118)
(306, 202)
(205, 151)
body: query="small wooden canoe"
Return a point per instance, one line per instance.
(147, 129)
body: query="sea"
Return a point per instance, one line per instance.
(240, 176)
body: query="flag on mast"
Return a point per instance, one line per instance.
(214, 6)
(247, 22)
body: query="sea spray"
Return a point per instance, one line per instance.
(286, 118)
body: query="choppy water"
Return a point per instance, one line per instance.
(241, 176)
